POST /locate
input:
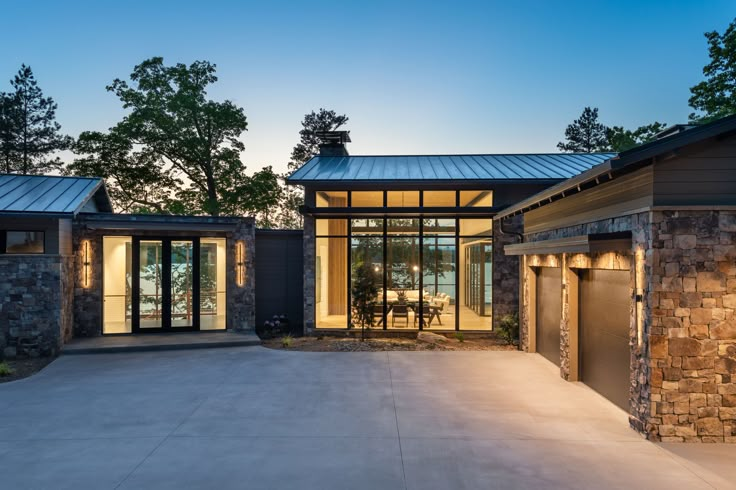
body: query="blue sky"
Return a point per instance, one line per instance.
(414, 77)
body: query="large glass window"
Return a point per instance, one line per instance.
(150, 276)
(331, 282)
(212, 283)
(24, 242)
(366, 199)
(117, 285)
(368, 251)
(435, 269)
(331, 199)
(476, 198)
(181, 283)
(476, 274)
(402, 199)
(435, 199)
(439, 281)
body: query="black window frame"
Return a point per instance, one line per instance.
(4, 242)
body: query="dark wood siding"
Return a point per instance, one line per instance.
(703, 174)
(623, 195)
(50, 227)
(279, 283)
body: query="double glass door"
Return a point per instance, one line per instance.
(165, 285)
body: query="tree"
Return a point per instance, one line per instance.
(9, 129)
(29, 133)
(621, 139)
(176, 150)
(715, 97)
(308, 146)
(363, 292)
(586, 134)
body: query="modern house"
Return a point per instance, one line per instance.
(424, 225)
(629, 281)
(71, 267)
(622, 267)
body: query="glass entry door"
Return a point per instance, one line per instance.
(165, 284)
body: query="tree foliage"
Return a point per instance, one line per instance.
(176, 150)
(621, 139)
(363, 293)
(585, 134)
(29, 133)
(308, 146)
(715, 97)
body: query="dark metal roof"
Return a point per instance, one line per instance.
(547, 166)
(633, 158)
(50, 195)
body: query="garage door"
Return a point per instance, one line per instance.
(549, 312)
(604, 333)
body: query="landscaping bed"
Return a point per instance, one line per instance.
(23, 367)
(425, 341)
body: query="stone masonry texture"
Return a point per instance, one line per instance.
(683, 360)
(35, 307)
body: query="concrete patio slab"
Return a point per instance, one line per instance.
(259, 418)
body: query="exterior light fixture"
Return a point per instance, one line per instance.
(240, 263)
(416, 268)
(86, 264)
(639, 263)
(376, 269)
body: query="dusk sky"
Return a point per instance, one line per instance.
(414, 77)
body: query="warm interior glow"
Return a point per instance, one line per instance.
(402, 199)
(366, 199)
(212, 278)
(117, 284)
(476, 199)
(434, 199)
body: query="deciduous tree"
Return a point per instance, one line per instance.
(715, 97)
(176, 150)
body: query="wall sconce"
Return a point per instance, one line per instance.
(240, 263)
(86, 264)
(639, 294)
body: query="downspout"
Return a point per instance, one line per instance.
(520, 237)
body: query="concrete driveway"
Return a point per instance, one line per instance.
(254, 418)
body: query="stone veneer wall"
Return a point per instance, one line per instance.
(87, 300)
(693, 335)
(505, 270)
(309, 274)
(640, 258)
(241, 300)
(35, 312)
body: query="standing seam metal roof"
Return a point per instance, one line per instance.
(46, 194)
(547, 166)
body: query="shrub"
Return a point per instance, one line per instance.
(5, 370)
(460, 337)
(286, 341)
(508, 328)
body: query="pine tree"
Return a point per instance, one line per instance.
(33, 133)
(8, 132)
(308, 146)
(586, 134)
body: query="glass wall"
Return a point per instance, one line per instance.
(168, 287)
(117, 285)
(150, 275)
(212, 283)
(366, 249)
(433, 271)
(476, 274)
